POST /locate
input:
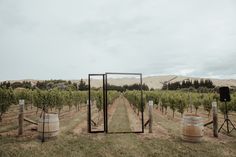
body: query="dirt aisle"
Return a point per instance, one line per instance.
(134, 119)
(120, 120)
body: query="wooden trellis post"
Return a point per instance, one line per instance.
(21, 117)
(215, 119)
(150, 108)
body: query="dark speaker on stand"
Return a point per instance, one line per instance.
(224, 94)
(225, 97)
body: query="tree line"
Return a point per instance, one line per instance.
(128, 87)
(185, 84)
(66, 85)
(46, 85)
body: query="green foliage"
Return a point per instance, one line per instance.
(134, 98)
(181, 100)
(82, 85)
(233, 103)
(41, 99)
(152, 96)
(99, 100)
(197, 102)
(177, 102)
(6, 99)
(181, 103)
(68, 98)
(79, 98)
(172, 104)
(26, 94)
(112, 95)
(162, 100)
(56, 99)
(207, 100)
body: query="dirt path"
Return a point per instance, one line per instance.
(120, 120)
(82, 125)
(134, 119)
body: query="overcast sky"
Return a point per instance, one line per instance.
(69, 39)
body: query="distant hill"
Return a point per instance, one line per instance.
(151, 81)
(154, 81)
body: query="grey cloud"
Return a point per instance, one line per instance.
(68, 40)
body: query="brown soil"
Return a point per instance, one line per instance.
(134, 119)
(30, 130)
(82, 127)
(208, 132)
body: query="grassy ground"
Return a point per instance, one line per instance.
(120, 121)
(109, 145)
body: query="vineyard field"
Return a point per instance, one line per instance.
(124, 114)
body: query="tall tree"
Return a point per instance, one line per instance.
(82, 85)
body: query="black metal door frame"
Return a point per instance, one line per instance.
(105, 102)
(89, 103)
(142, 104)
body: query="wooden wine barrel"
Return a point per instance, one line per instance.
(51, 125)
(192, 128)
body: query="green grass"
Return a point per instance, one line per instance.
(110, 145)
(120, 120)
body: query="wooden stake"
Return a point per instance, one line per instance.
(215, 119)
(150, 108)
(21, 117)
